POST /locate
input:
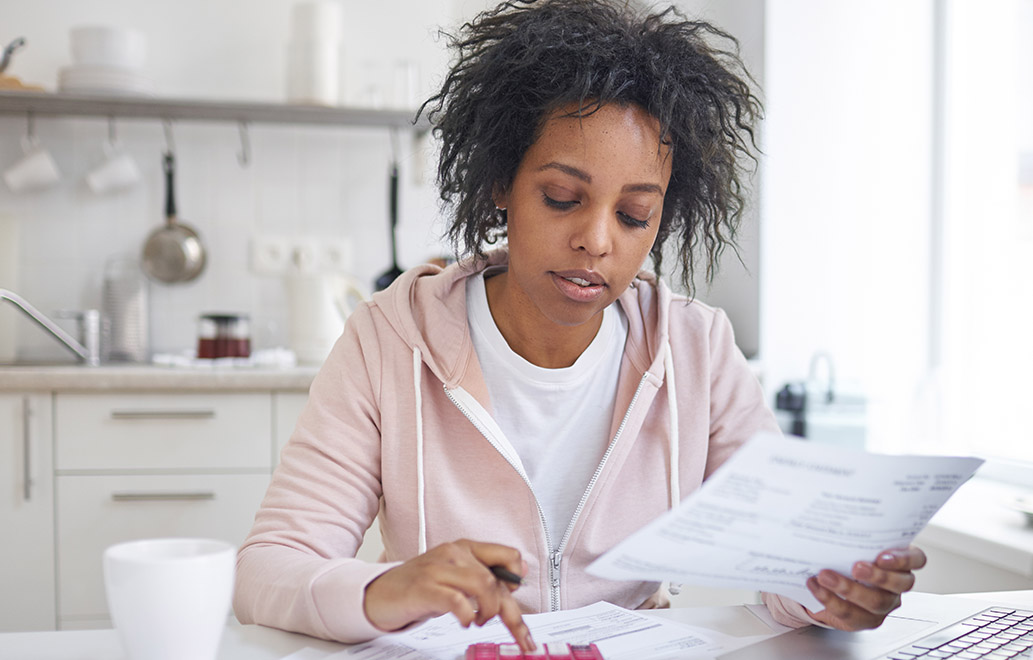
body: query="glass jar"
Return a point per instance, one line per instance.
(223, 336)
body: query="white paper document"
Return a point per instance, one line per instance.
(780, 510)
(620, 634)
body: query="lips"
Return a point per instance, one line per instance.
(583, 278)
(580, 285)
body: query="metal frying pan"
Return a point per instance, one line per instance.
(173, 253)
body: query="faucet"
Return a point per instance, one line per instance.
(830, 378)
(87, 348)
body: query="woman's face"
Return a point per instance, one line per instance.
(583, 212)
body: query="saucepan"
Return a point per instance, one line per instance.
(173, 253)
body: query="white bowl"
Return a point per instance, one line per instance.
(108, 45)
(96, 79)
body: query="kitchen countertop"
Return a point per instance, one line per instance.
(77, 378)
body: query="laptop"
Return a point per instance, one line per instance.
(931, 617)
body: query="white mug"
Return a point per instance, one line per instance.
(118, 170)
(34, 170)
(169, 599)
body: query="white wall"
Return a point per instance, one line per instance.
(846, 196)
(311, 181)
(736, 288)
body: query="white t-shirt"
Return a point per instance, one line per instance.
(556, 420)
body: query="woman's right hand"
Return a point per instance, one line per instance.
(453, 577)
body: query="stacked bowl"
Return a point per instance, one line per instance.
(107, 60)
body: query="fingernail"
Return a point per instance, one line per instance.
(887, 556)
(862, 570)
(828, 580)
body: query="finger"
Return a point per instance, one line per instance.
(474, 582)
(494, 554)
(894, 581)
(488, 603)
(458, 604)
(910, 558)
(873, 599)
(839, 613)
(509, 613)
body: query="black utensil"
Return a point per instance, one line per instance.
(392, 273)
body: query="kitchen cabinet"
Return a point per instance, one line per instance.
(26, 513)
(139, 465)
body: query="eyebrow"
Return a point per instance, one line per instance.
(587, 178)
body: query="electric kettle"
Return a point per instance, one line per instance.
(318, 304)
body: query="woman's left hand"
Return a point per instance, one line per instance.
(863, 600)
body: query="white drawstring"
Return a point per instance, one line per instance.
(672, 407)
(421, 514)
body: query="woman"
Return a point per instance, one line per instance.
(529, 407)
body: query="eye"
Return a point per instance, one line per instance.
(558, 204)
(632, 221)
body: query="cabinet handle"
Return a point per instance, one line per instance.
(162, 414)
(183, 496)
(27, 445)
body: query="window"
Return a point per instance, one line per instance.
(982, 319)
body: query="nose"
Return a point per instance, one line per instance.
(593, 232)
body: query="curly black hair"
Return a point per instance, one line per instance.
(519, 63)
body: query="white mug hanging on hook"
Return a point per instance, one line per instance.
(117, 171)
(35, 170)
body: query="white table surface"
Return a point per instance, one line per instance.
(260, 643)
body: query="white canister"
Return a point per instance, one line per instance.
(316, 21)
(314, 53)
(313, 72)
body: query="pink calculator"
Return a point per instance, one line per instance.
(551, 651)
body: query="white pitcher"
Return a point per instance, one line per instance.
(318, 304)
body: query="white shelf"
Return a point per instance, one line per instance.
(84, 105)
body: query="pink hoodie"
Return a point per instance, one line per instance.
(398, 424)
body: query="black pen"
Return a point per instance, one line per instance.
(506, 575)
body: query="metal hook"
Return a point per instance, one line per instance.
(394, 147)
(244, 155)
(112, 134)
(30, 140)
(170, 145)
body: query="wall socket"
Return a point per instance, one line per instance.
(278, 255)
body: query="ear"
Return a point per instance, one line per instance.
(500, 197)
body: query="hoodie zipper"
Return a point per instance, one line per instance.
(591, 484)
(555, 558)
(554, 576)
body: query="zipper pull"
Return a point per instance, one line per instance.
(556, 557)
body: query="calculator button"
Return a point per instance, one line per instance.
(557, 651)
